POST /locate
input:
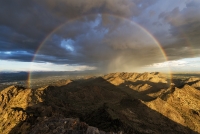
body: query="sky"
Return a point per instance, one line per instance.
(100, 35)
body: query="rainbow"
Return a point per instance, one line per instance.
(79, 17)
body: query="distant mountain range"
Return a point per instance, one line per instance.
(146, 103)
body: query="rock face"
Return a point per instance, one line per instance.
(115, 103)
(14, 100)
(59, 124)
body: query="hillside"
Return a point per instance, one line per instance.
(117, 102)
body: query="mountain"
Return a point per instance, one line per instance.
(194, 82)
(117, 102)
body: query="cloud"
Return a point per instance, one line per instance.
(109, 50)
(24, 24)
(184, 31)
(174, 63)
(98, 33)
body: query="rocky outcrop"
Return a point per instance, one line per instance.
(60, 125)
(14, 101)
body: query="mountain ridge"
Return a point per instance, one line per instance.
(142, 103)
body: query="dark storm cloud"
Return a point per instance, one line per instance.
(100, 47)
(26, 23)
(16, 56)
(184, 30)
(92, 34)
(71, 9)
(23, 25)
